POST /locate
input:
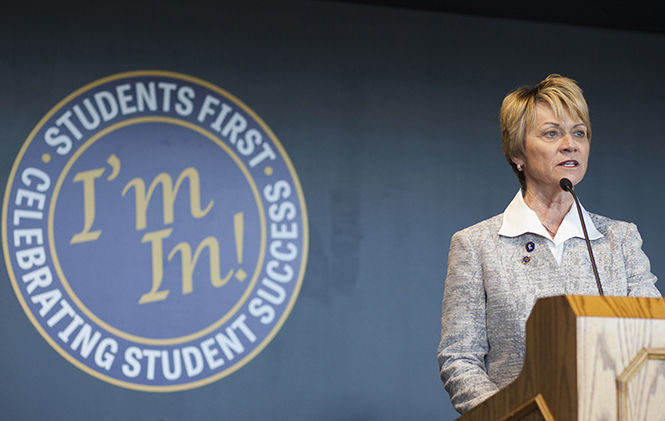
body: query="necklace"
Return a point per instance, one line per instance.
(549, 229)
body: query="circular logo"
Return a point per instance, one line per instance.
(154, 231)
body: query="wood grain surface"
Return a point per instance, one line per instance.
(607, 348)
(641, 387)
(636, 307)
(577, 347)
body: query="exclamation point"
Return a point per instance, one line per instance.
(239, 229)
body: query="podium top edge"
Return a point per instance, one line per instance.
(628, 307)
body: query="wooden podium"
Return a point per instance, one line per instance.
(587, 358)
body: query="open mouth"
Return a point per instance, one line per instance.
(569, 164)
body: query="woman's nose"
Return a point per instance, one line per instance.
(569, 143)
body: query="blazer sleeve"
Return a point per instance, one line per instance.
(463, 346)
(638, 269)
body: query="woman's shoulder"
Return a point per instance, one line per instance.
(483, 229)
(608, 226)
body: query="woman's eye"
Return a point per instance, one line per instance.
(551, 134)
(580, 133)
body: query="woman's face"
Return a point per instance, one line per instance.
(554, 149)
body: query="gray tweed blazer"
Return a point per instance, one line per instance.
(490, 289)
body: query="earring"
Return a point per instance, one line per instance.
(519, 167)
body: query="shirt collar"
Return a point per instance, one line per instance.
(519, 219)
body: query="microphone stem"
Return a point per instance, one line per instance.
(588, 243)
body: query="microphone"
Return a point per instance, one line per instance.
(566, 185)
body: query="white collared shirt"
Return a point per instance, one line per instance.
(519, 218)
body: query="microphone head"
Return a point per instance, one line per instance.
(566, 184)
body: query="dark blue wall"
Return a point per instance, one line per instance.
(390, 119)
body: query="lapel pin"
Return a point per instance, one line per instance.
(530, 246)
(526, 260)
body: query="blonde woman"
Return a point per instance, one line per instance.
(535, 248)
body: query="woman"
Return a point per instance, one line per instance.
(499, 267)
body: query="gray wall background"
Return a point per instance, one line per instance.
(390, 119)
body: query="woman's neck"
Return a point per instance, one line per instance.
(550, 208)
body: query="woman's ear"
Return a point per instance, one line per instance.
(519, 163)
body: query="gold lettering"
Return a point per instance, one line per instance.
(88, 179)
(239, 230)
(155, 238)
(169, 194)
(188, 265)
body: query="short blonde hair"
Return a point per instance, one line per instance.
(518, 113)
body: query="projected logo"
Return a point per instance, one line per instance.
(154, 231)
